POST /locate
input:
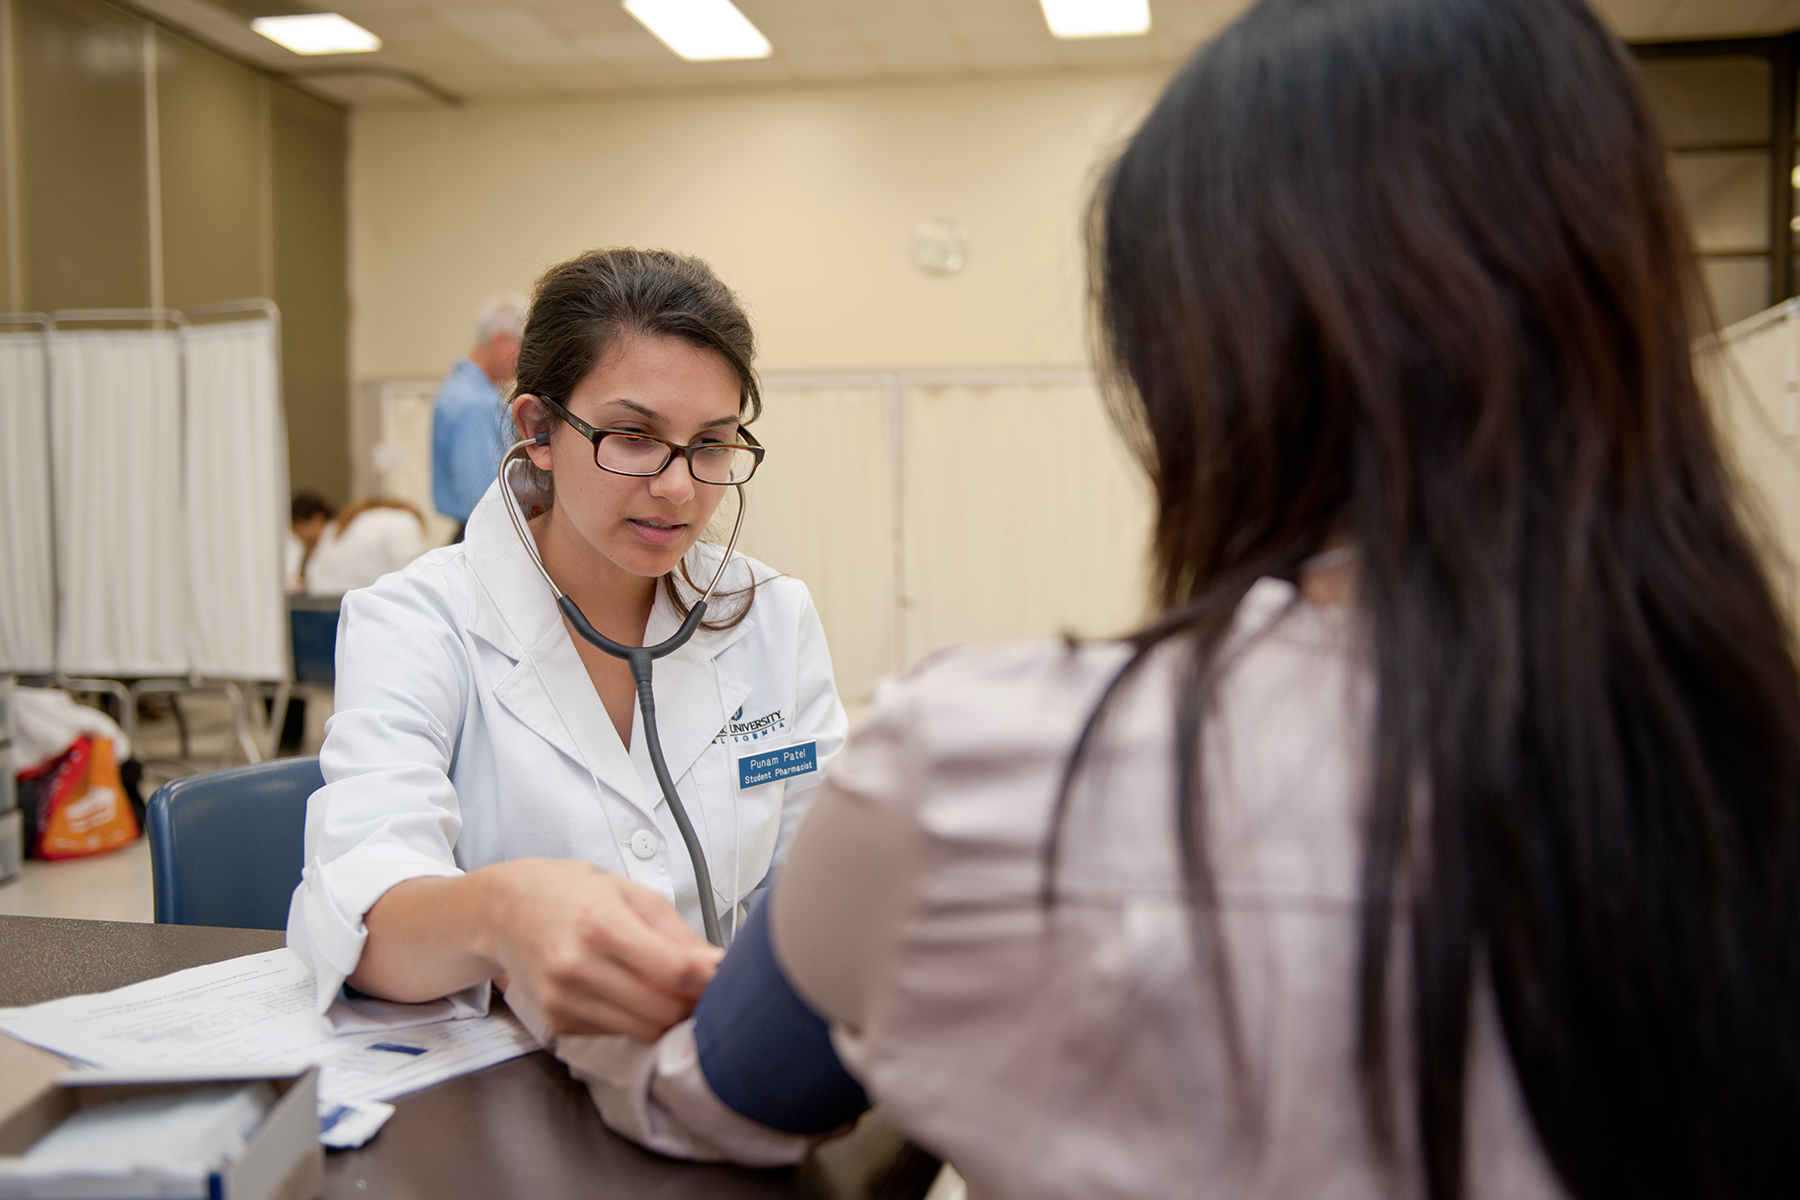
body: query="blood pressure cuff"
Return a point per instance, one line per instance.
(763, 1051)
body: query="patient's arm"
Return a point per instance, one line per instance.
(751, 1078)
(754, 1076)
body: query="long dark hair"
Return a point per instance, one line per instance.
(581, 308)
(1411, 272)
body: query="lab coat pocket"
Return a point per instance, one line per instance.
(742, 824)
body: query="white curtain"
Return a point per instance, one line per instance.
(115, 430)
(27, 589)
(236, 500)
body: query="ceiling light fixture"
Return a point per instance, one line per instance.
(317, 33)
(1096, 18)
(701, 30)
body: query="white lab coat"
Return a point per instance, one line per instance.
(376, 542)
(466, 732)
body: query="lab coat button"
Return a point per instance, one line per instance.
(644, 843)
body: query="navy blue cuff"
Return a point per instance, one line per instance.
(763, 1051)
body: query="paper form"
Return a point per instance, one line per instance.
(258, 1011)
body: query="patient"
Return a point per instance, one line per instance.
(1441, 836)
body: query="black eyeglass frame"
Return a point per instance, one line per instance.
(595, 435)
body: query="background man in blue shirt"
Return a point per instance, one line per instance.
(467, 418)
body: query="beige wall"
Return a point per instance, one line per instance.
(805, 200)
(884, 489)
(143, 169)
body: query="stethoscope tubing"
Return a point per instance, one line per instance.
(638, 659)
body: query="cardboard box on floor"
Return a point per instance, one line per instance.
(284, 1160)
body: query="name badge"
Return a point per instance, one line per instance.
(754, 770)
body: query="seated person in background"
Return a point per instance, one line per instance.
(307, 515)
(1441, 836)
(368, 540)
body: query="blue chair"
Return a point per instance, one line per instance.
(312, 623)
(226, 847)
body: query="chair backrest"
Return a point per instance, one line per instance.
(312, 623)
(226, 847)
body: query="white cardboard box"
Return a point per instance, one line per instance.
(37, 1090)
(12, 843)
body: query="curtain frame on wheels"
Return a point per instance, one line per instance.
(129, 689)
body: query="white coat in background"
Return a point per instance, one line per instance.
(377, 541)
(293, 558)
(467, 732)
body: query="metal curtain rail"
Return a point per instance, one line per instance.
(117, 316)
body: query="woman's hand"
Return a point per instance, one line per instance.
(594, 951)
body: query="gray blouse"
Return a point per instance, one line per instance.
(1083, 1051)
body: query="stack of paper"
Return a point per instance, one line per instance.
(257, 1011)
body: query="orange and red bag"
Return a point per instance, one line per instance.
(75, 804)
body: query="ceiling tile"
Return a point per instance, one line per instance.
(836, 66)
(1104, 52)
(433, 58)
(762, 72)
(818, 40)
(367, 89)
(922, 58)
(576, 17)
(397, 27)
(898, 20)
(493, 48)
(623, 48)
(772, 15)
(1635, 19)
(1195, 19)
(358, 10)
(1012, 22)
(1712, 18)
(1007, 56)
(514, 35)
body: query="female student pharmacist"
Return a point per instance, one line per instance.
(1441, 836)
(489, 807)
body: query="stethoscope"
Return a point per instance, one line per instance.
(638, 658)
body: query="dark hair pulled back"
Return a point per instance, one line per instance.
(1412, 271)
(582, 308)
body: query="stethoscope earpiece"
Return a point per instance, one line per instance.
(542, 439)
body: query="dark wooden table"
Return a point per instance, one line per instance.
(522, 1128)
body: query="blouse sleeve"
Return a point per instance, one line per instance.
(387, 812)
(819, 718)
(836, 916)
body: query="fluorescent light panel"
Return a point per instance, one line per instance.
(317, 33)
(701, 30)
(1096, 18)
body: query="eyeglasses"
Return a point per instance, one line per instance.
(639, 454)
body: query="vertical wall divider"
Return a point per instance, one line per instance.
(893, 390)
(153, 166)
(1781, 167)
(9, 162)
